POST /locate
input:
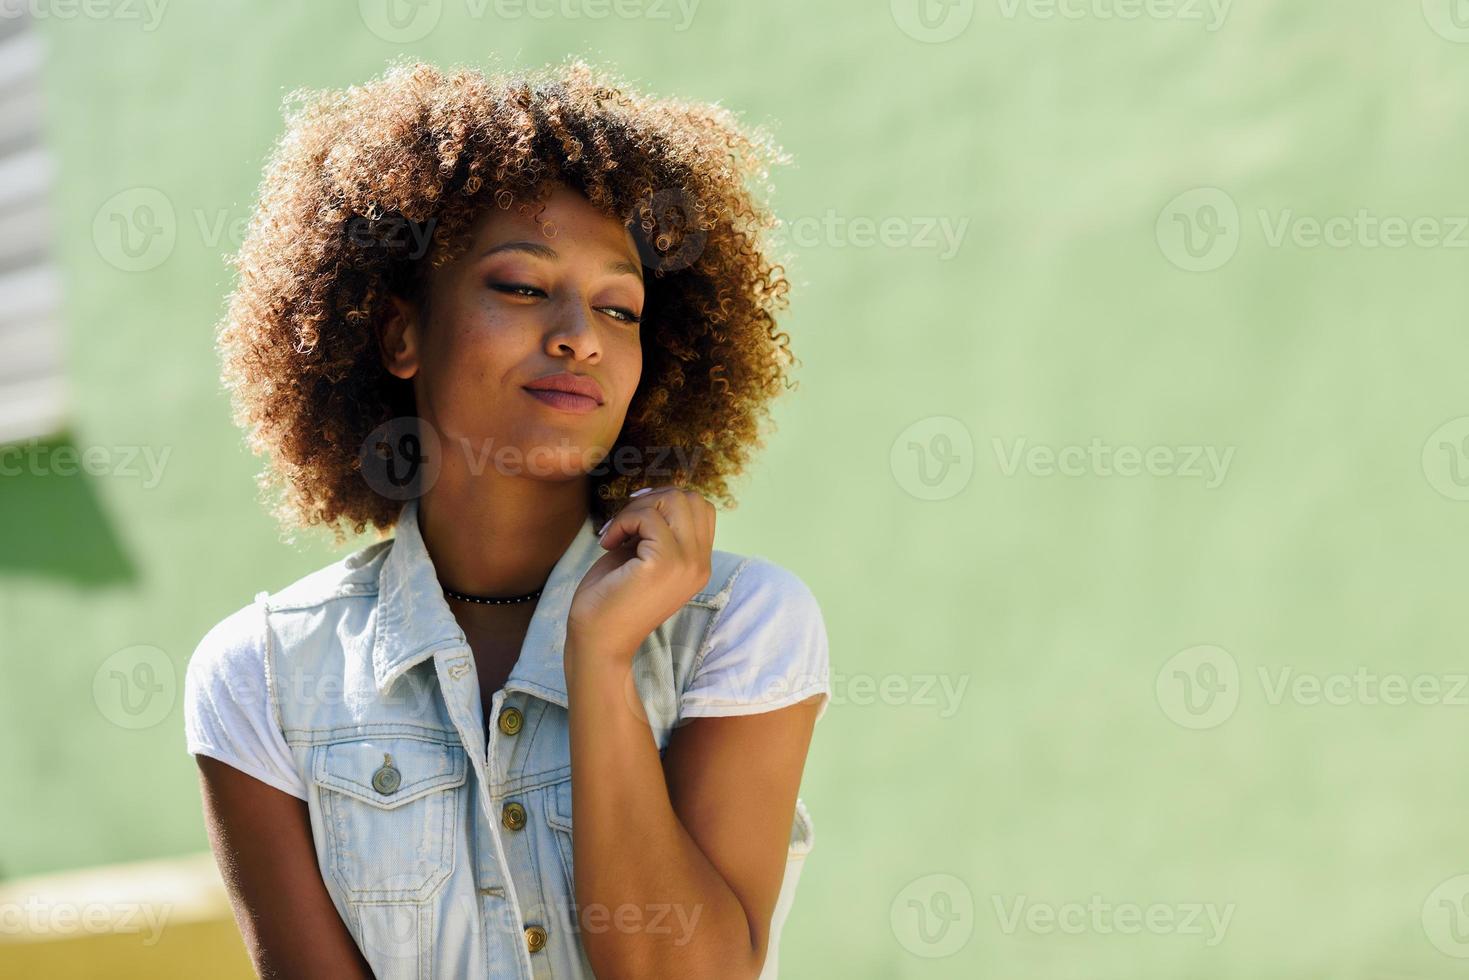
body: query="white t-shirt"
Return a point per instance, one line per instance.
(767, 649)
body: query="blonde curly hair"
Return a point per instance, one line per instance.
(429, 149)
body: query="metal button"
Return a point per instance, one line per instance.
(513, 816)
(387, 779)
(535, 938)
(510, 721)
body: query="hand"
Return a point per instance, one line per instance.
(658, 555)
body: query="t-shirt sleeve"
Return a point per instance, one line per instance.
(766, 649)
(227, 710)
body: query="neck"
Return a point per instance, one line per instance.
(499, 537)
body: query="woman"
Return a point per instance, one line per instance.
(527, 324)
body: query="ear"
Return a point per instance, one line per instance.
(399, 339)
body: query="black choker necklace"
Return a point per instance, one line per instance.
(491, 600)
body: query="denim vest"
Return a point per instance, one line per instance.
(448, 855)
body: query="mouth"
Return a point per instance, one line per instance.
(564, 400)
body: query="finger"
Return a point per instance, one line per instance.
(688, 512)
(678, 508)
(632, 523)
(628, 504)
(692, 517)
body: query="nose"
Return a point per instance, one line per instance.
(574, 331)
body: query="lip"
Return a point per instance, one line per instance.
(564, 400)
(569, 392)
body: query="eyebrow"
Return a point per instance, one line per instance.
(540, 251)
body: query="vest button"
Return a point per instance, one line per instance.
(387, 778)
(513, 816)
(535, 938)
(510, 721)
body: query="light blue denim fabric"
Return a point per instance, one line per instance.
(375, 691)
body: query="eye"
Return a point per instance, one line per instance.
(516, 289)
(519, 289)
(626, 316)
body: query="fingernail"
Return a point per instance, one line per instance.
(604, 527)
(636, 493)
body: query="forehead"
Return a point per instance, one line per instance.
(566, 221)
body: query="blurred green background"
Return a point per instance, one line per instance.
(1130, 461)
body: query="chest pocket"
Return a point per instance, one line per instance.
(558, 817)
(390, 806)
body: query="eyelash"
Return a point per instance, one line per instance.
(628, 315)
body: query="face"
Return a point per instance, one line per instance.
(528, 303)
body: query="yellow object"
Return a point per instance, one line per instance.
(513, 816)
(143, 920)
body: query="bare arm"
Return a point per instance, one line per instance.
(705, 830)
(261, 839)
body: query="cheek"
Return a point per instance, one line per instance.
(629, 372)
(482, 344)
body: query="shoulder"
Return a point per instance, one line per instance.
(235, 646)
(761, 587)
(352, 575)
(227, 704)
(766, 646)
(231, 645)
(225, 679)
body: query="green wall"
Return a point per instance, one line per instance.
(1078, 804)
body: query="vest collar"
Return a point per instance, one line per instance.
(414, 620)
